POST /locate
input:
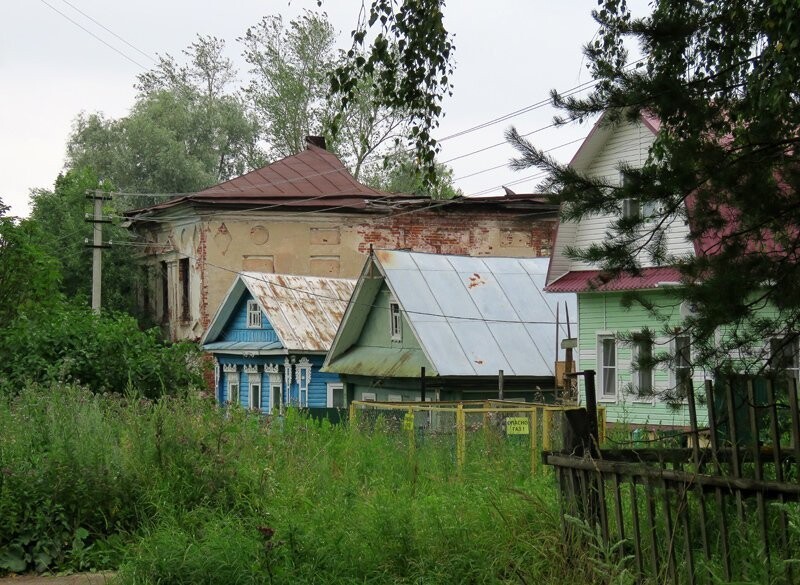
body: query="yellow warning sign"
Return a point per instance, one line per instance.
(517, 425)
(408, 421)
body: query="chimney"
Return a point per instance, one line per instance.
(318, 141)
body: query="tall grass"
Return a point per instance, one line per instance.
(179, 491)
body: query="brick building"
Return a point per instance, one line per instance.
(307, 215)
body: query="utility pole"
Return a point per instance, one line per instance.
(97, 244)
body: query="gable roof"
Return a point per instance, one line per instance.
(472, 316)
(304, 311)
(566, 233)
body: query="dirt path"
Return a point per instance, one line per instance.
(79, 579)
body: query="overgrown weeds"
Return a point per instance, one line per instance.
(179, 491)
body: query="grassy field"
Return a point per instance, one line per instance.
(179, 491)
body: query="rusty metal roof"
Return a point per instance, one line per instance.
(474, 316)
(598, 281)
(305, 311)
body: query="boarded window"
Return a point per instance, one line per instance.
(258, 264)
(324, 236)
(324, 266)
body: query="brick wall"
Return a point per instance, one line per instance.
(484, 234)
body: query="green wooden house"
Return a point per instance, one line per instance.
(608, 340)
(462, 319)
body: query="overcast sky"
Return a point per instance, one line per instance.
(509, 54)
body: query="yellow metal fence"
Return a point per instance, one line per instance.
(538, 426)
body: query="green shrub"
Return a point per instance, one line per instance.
(68, 343)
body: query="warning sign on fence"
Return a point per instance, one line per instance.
(517, 425)
(408, 421)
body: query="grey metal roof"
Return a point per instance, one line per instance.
(475, 316)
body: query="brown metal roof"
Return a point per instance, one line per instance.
(311, 178)
(312, 172)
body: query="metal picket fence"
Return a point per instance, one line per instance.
(470, 425)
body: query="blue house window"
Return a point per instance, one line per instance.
(255, 392)
(233, 390)
(253, 315)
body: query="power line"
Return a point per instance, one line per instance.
(108, 30)
(519, 112)
(506, 164)
(366, 305)
(86, 30)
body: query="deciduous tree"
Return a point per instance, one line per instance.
(188, 129)
(28, 276)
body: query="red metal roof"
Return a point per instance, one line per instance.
(597, 280)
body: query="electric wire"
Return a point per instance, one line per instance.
(108, 30)
(86, 30)
(352, 303)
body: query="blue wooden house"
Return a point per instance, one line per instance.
(269, 339)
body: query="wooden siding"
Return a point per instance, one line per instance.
(603, 314)
(376, 332)
(317, 388)
(628, 143)
(237, 330)
(560, 264)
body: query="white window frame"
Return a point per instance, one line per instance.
(674, 379)
(275, 391)
(233, 382)
(395, 321)
(794, 370)
(639, 375)
(368, 397)
(331, 387)
(603, 395)
(254, 382)
(303, 374)
(647, 211)
(253, 315)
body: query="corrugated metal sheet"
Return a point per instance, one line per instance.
(475, 316)
(305, 311)
(595, 280)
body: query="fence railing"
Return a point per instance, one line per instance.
(727, 511)
(539, 427)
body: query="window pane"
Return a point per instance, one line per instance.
(609, 357)
(609, 381)
(338, 398)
